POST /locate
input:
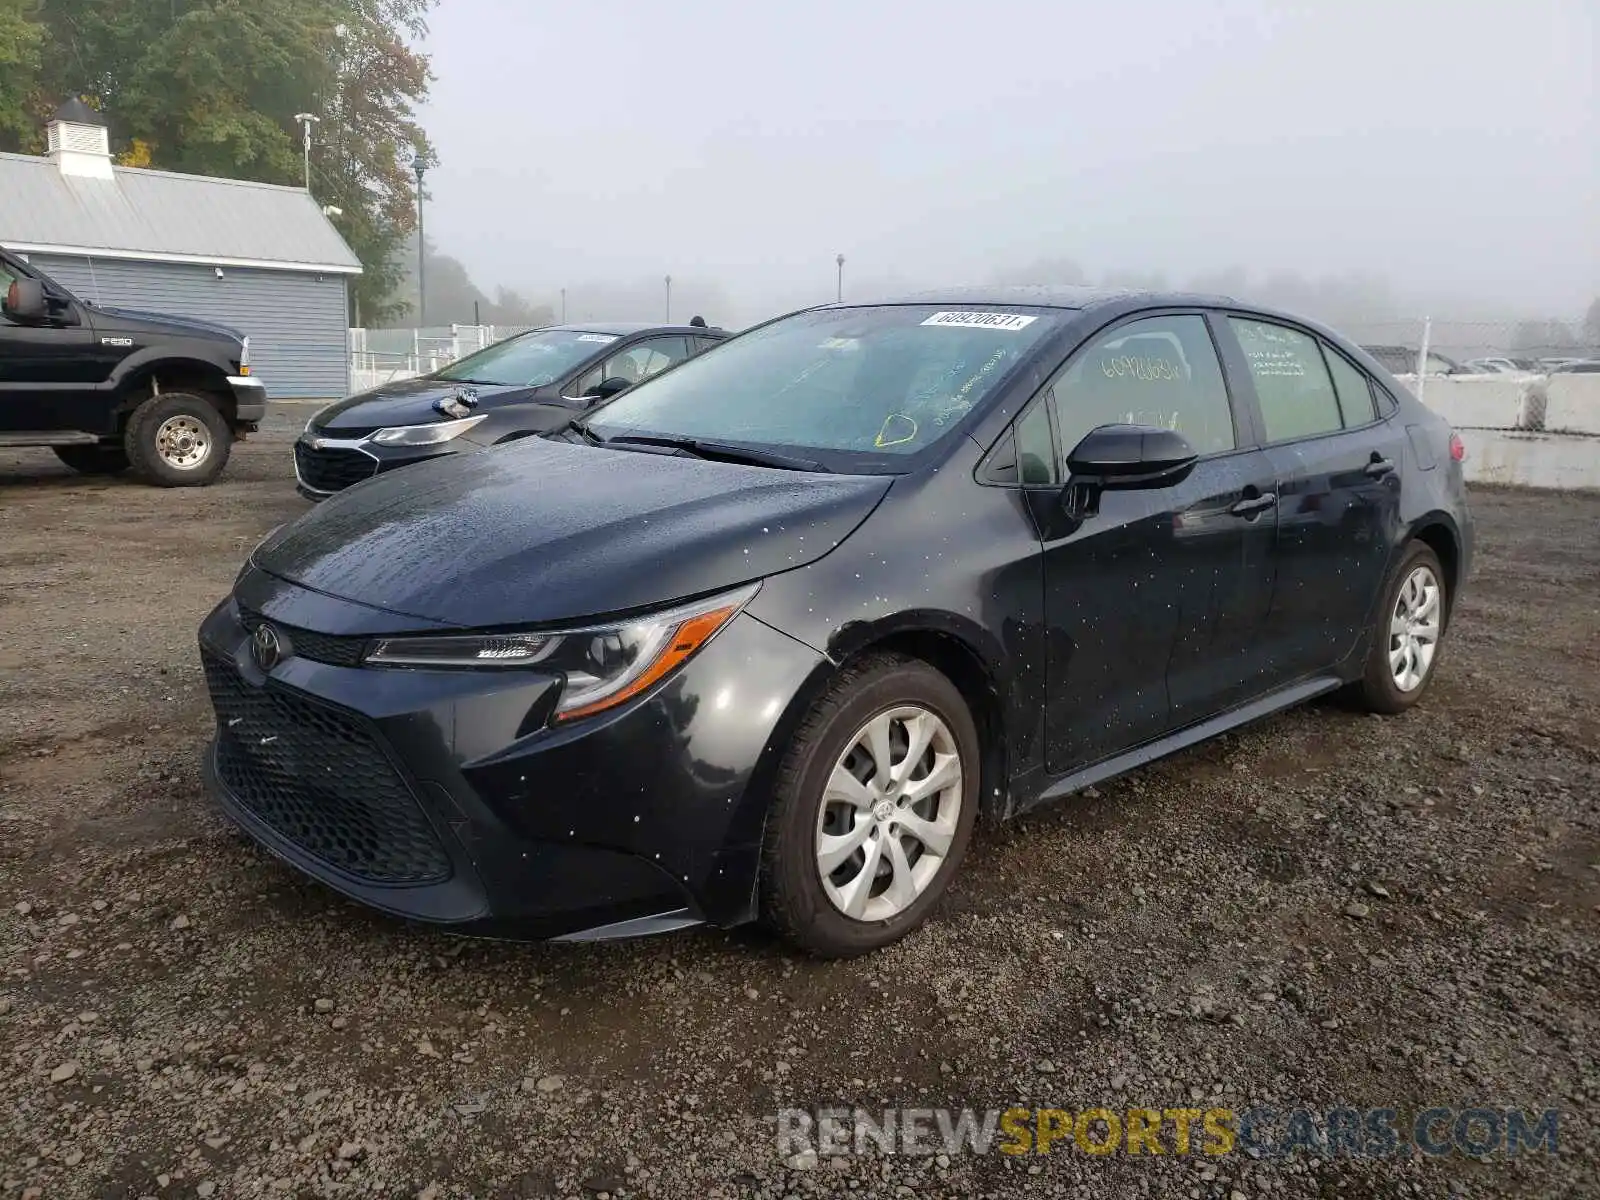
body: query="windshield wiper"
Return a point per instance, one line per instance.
(727, 451)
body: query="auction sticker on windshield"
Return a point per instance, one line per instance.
(981, 320)
(603, 338)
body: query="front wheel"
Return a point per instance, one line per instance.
(178, 439)
(1406, 636)
(873, 809)
(94, 460)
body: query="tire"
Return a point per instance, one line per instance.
(1380, 688)
(94, 460)
(795, 899)
(164, 433)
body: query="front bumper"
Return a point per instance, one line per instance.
(442, 797)
(249, 399)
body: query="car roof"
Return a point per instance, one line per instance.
(627, 328)
(1058, 296)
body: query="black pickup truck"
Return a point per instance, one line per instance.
(109, 389)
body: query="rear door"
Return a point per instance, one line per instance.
(1339, 475)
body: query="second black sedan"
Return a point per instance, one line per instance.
(531, 383)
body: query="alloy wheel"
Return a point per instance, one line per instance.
(1414, 629)
(889, 813)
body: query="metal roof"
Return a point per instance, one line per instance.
(163, 216)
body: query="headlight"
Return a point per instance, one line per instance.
(602, 666)
(424, 435)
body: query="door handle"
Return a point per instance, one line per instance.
(1379, 467)
(1252, 505)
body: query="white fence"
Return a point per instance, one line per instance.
(380, 356)
(1536, 431)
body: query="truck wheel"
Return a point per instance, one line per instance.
(94, 460)
(178, 439)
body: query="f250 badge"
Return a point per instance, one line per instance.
(105, 341)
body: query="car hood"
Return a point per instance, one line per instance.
(540, 532)
(132, 320)
(405, 402)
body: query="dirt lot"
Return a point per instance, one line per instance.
(1325, 909)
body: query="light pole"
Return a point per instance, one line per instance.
(563, 306)
(669, 299)
(419, 164)
(307, 120)
(840, 263)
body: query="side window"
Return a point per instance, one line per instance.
(700, 344)
(7, 276)
(1156, 371)
(1296, 393)
(644, 359)
(1026, 455)
(1352, 387)
(635, 364)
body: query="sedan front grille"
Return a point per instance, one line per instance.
(318, 776)
(332, 469)
(305, 643)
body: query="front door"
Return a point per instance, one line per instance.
(1147, 594)
(45, 368)
(1339, 472)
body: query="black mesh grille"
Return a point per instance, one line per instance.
(318, 776)
(332, 470)
(319, 647)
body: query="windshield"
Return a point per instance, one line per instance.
(882, 381)
(530, 360)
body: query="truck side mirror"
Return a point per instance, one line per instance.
(25, 300)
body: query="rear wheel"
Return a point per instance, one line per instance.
(873, 809)
(178, 439)
(1406, 637)
(94, 460)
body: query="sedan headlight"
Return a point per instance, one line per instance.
(425, 435)
(602, 666)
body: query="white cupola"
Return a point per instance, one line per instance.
(79, 144)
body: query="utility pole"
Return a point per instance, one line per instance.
(840, 294)
(563, 306)
(307, 120)
(669, 299)
(420, 166)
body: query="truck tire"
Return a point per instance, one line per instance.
(94, 460)
(178, 439)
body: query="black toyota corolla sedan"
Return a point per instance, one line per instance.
(764, 636)
(527, 384)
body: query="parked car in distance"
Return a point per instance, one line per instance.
(108, 389)
(1494, 366)
(1583, 366)
(762, 636)
(1402, 360)
(527, 384)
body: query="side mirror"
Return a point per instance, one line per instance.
(1131, 456)
(25, 300)
(609, 387)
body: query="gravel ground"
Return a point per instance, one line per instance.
(1325, 909)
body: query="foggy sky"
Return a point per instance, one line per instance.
(1453, 148)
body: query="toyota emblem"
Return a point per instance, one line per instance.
(265, 647)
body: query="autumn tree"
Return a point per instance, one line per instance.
(212, 87)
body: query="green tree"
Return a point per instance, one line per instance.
(21, 42)
(212, 87)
